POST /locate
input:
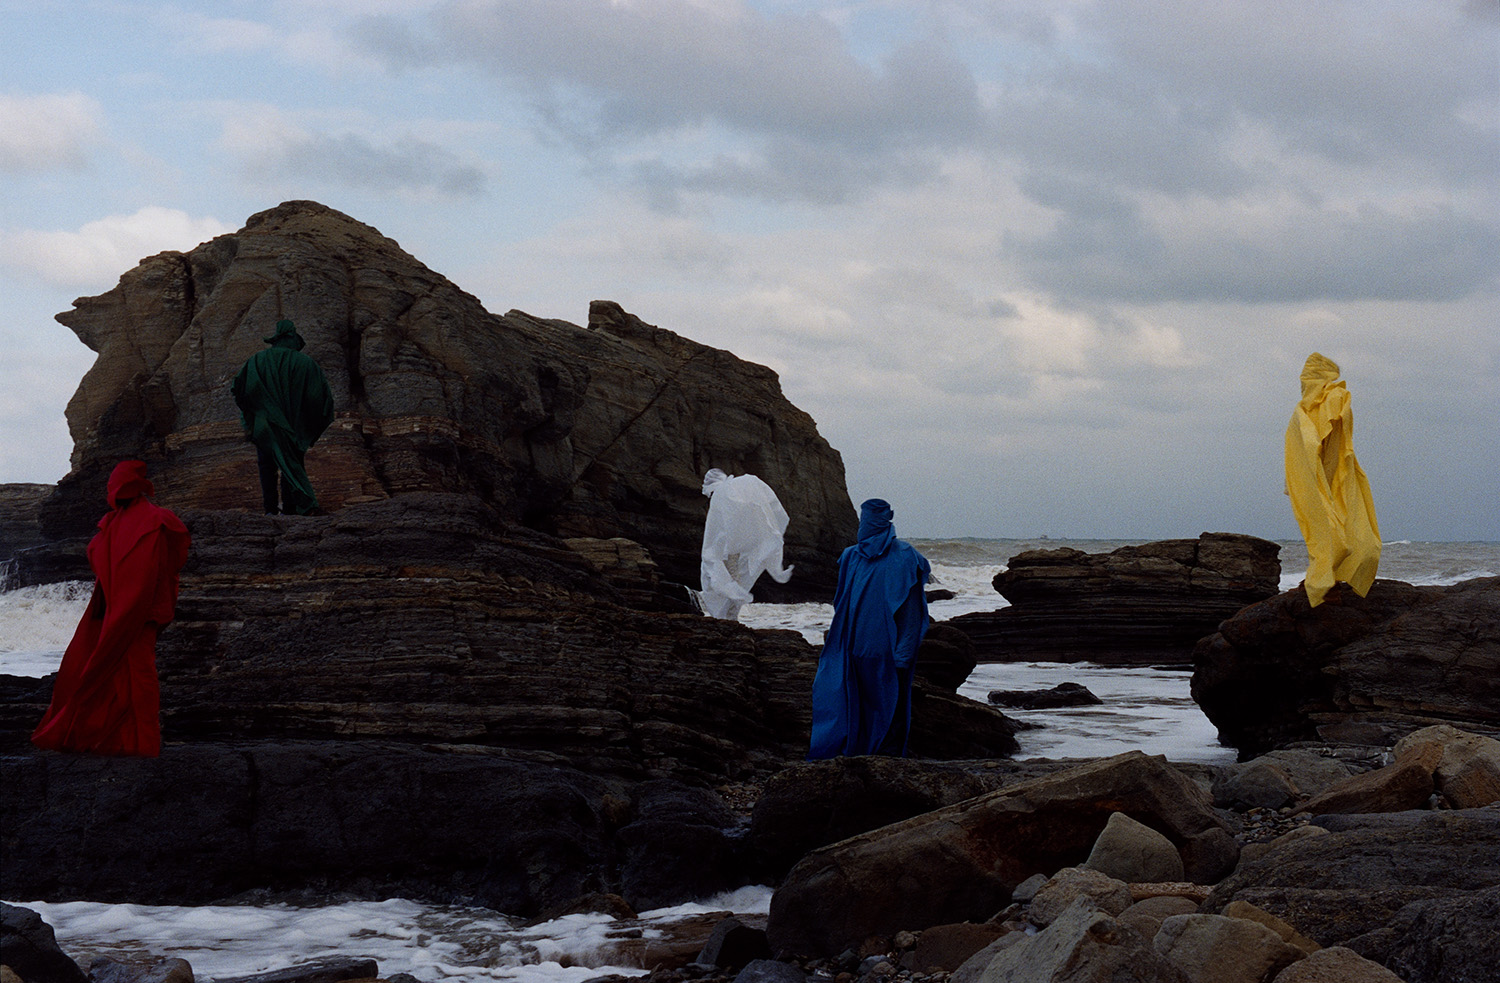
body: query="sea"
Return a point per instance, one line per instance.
(1148, 709)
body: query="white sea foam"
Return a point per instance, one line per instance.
(36, 624)
(431, 942)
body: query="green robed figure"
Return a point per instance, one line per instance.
(285, 405)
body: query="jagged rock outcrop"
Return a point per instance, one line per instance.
(26, 555)
(601, 431)
(1138, 605)
(1355, 669)
(20, 526)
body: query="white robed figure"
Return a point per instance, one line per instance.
(742, 539)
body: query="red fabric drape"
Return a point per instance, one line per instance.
(106, 699)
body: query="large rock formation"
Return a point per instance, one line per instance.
(338, 689)
(601, 432)
(470, 677)
(1139, 605)
(426, 618)
(1356, 669)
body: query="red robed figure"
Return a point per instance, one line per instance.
(106, 699)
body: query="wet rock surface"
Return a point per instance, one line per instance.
(962, 862)
(1358, 670)
(1138, 605)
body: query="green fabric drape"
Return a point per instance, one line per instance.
(285, 405)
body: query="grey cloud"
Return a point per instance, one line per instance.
(1359, 83)
(405, 164)
(674, 63)
(783, 172)
(1352, 111)
(1111, 251)
(823, 125)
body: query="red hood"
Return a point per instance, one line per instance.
(127, 481)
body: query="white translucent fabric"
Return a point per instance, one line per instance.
(742, 538)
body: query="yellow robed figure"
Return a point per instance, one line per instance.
(1329, 491)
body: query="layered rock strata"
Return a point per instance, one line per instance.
(1354, 669)
(600, 431)
(408, 694)
(424, 618)
(1138, 605)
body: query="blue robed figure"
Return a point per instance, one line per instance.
(862, 691)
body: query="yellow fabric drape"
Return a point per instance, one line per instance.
(1329, 491)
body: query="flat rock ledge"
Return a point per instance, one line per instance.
(1138, 605)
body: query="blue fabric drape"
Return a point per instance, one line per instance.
(862, 690)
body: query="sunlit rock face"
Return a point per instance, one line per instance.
(600, 431)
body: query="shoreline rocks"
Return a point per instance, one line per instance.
(962, 862)
(1138, 605)
(1359, 670)
(1359, 896)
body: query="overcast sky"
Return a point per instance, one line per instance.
(1042, 267)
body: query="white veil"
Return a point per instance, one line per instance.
(742, 538)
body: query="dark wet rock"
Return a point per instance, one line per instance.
(1444, 940)
(946, 657)
(332, 969)
(815, 803)
(770, 971)
(425, 618)
(677, 847)
(27, 555)
(29, 947)
(1061, 695)
(1138, 605)
(960, 863)
(594, 903)
(207, 822)
(1356, 879)
(146, 969)
(1358, 670)
(734, 944)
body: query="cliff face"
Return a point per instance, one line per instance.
(597, 431)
